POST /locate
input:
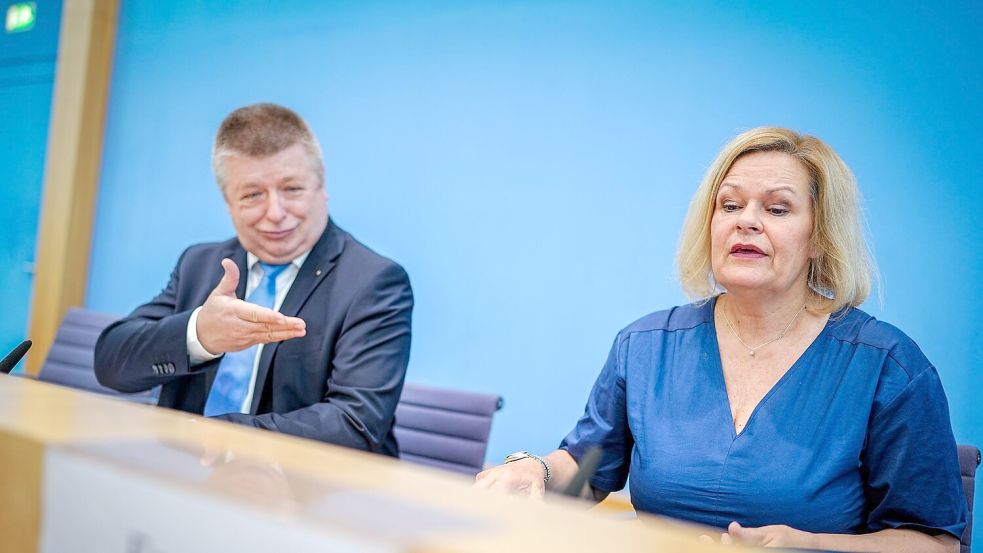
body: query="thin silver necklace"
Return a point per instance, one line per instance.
(751, 350)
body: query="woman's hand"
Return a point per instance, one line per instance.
(523, 478)
(775, 535)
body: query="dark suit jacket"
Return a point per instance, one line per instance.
(340, 383)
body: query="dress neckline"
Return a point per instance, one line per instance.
(718, 370)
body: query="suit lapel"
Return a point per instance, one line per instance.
(320, 262)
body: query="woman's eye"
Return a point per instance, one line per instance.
(778, 210)
(729, 206)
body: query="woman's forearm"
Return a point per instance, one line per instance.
(884, 541)
(563, 468)
(887, 541)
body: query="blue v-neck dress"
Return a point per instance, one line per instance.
(854, 438)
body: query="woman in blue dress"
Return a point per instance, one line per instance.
(772, 407)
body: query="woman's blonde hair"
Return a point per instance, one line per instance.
(841, 273)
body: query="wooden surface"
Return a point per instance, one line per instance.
(289, 478)
(72, 164)
(20, 482)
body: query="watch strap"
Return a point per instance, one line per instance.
(519, 455)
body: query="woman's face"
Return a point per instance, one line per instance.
(762, 224)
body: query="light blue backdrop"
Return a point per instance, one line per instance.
(529, 163)
(27, 76)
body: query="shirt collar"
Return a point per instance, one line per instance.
(252, 260)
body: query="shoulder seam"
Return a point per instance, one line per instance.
(630, 332)
(887, 407)
(890, 355)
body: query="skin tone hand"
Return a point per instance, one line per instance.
(524, 478)
(775, 535)
(521, 478)
(891, 540)
(226, 323)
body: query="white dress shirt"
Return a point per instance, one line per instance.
(198, 354)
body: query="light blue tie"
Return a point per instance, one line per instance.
(235, 370)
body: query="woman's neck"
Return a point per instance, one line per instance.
(762, 317)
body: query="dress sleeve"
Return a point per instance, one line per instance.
(605, 424)
(910, 462)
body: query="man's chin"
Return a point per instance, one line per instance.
(280, 251)
(277, 256)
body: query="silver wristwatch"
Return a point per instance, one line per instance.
(519, 455)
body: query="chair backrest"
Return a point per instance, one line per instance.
(70, 359)
(445, 428)
(969, 460)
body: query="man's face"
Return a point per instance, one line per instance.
(279, 206)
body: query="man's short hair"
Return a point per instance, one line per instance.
(259, 131)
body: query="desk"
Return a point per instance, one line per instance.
(85, 473)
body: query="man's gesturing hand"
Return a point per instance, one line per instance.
(226, 323)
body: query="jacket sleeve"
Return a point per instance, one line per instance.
(148, 347)
(366, 374)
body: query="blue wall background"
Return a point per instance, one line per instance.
(530, 163)
(27, 76)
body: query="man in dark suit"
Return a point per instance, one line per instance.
(312, 341)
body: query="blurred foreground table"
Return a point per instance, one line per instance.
(84, 473)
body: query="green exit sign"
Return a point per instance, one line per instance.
(21, 16)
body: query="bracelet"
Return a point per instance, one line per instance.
(519, 455)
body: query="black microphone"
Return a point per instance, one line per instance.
(585, 471)
(13, 357)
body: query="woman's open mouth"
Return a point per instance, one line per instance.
(746, 250)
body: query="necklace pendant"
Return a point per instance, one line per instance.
(752, 353)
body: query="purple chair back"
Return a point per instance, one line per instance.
(969, 459)
(444, 428)
(70, 360)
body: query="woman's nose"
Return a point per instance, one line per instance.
(749, 219)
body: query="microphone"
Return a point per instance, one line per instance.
(13, 357)
(585, 471)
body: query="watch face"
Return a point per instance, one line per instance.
(516, 456)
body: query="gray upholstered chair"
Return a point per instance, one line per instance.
(969, 460)
(70, 359)
(445, 428)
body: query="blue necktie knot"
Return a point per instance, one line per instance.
(272, 271)
(265, 293)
